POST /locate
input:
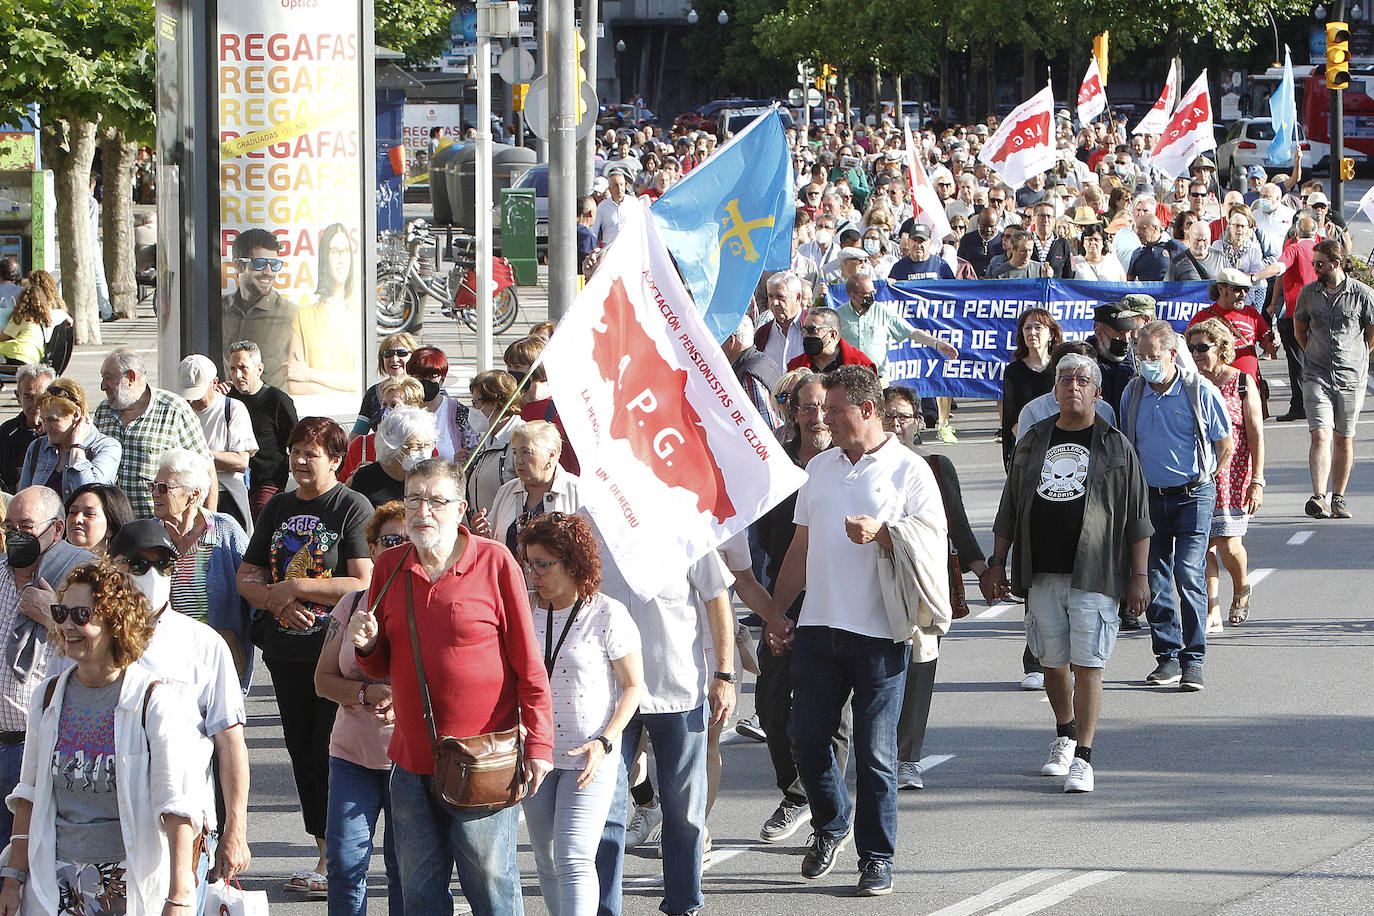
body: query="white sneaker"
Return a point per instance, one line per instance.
(1080, 776)
(1061, 755)
(909, 775)
(1035, 680)
(642, 824)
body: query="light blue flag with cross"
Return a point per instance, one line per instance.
(1283, 113)
(730, 219)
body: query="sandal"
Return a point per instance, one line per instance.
(1214, 620)
(1240, 607)
(307, 881)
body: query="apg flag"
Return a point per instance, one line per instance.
(730, 219)
(1157, 118)
(1366, 204)
(1283, 114)
(1188, 133)
(1024, 143)
(1092, 98)
(925, 203)
(675, 459)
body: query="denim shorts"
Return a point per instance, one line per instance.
(1066, 625)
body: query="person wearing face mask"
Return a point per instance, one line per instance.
(822, 249)
(540, 485)
(1110, 342)
(456, 435)
(35, 555)
(406, 437)
(493, 464)
(70, 452)
(876, 246)
(190, 655)
(874, 326)
(823, 349)
(1178, 423)
(403, 391)
(1273, 219)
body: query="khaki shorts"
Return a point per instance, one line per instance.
(1329, 407)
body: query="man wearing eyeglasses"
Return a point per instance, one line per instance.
(1076, 510)
(35, 556)
(255, 310)
(823, 348)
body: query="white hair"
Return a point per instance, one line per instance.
(745, 332)
(31, 371)
(401, 425)
(190, 469)
(1161, 332)
(541, 434)
(128, 359)
(1072, 362)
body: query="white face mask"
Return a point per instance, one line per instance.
(410, 459)
(823, 237)
(478, 422)
(156, 587)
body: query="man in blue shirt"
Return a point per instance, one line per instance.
(1178, 424)
(920, 264)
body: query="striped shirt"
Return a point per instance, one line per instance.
(15, 693)
(189, 593)
(168, 422)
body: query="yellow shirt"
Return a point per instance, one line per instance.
(26, 344)
(329, 337)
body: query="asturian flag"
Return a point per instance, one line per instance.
(1283, 114)
(1188, 133)
(1024, 143)
(1092, 98)
(730, 219)
(1157, 117)
(675, 459)
(925, 203)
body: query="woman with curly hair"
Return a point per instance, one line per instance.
(106, 739)
(36, 310)
(596, 674)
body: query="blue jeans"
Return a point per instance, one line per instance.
(1178, 552)
(431, 841)
(357, 795)
(679, 742)
(840, 665)
(565, 825)
(11, 756)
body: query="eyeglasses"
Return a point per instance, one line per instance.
(899, 417)
(811, 330)
(436, 503)
(158, 488)
(27, 528)
(80, 615)
(1075, 381)
(1319, 206)
(272, 264)
(782, 397)
(392, 540)
(1232, 287)
(1201, 347)
(540, 566)
(394, 353)
(140, 565)
(810, 408)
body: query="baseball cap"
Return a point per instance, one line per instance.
(1112, 315)
(920, 231)
(1255, 171)
(1137, 304)
(195, 374)
(1318, 199)
(600, 184)
(137, 536)
(1202, 162)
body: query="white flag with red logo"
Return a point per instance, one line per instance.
(675, 458)
(1188, 133)
(1157, 118)
(1024, 144)
(1092, 98)
(925, 203)
(1366, 204)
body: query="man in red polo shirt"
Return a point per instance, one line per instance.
(1296, 266)
(485, 673)
(823, 347)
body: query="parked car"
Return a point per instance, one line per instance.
(1247, 143)
(537, 177)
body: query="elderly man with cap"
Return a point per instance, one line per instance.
(228, 432)
(920, 262)
(1254, 180)
(1330, 224)
(1205, 171)
(1249, 328)
(848, 261)
(1114, 324)
(192, 657)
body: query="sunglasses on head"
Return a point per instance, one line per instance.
(58, 391)
(80, 615)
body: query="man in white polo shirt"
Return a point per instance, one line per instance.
(843, 639)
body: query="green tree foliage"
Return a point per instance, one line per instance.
(419, 29)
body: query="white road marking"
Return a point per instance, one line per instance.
(997, 610)
(932, 761)
(1259, 575)
(1055, 894)
(1300, 537)
(719, 854)
(999, 892)
(732, 737)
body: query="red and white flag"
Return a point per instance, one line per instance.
(1157, 117)
(675, 458)
(1092, 98)
(925, 203)
(1024, 144)
(1366, 204)
(1188, 133)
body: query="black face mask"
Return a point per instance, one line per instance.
(22, 549)
(519, 378)
(867, 301)
(429, 388)
(813, 346)
(1117, 347)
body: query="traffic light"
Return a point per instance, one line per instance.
(1337, 55)
(581, 76)
(517, 95)
(1347, 169)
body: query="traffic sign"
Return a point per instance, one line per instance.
(537, 108)
(516, 66)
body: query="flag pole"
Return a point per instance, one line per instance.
(491, 427)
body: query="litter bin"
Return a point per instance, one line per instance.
(517, 234)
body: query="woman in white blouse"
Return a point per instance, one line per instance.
(596, 676)
(540, 485)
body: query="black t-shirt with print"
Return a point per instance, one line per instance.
(299, 538)
(1057, 511)
(376, 484)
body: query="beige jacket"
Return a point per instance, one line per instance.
(914, 576)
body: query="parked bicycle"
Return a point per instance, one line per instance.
(406, 277)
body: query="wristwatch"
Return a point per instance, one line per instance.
(19, 874)
(726, 676)
(606, 743)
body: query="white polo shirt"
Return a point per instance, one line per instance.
(889, 483)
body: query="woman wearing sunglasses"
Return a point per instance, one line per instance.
(209, 551)
(596, 675)
(70, 453)
(105, 817)
(392, 354)
(359, 770)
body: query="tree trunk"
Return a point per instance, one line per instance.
(1173, 43)
(118, 156)
(69, 147)
(944, 78)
